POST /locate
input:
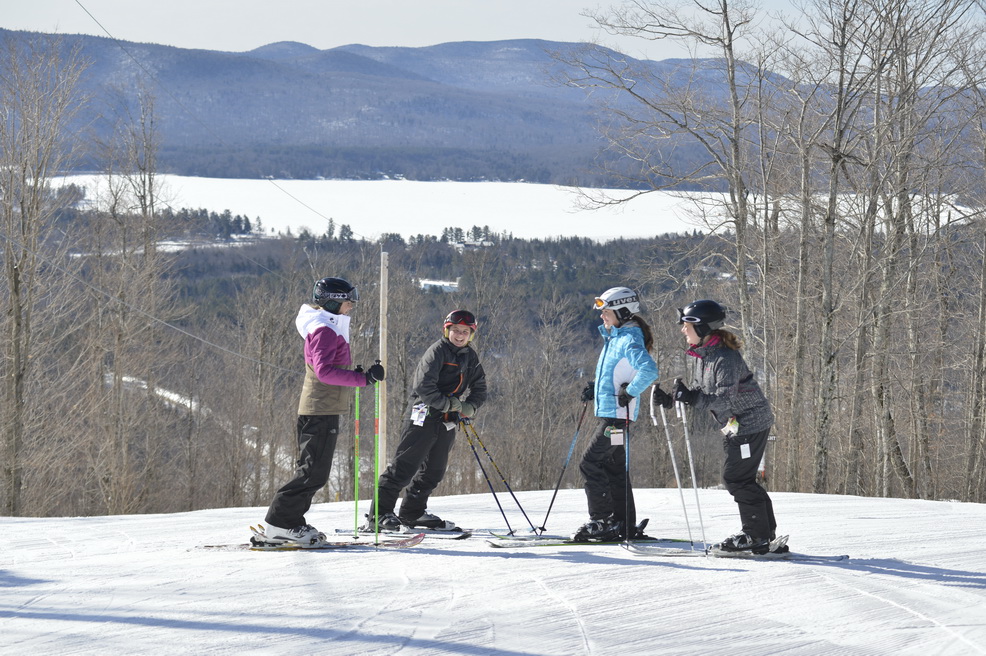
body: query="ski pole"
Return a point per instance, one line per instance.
(502, 477)
(376, 458)
(627, 493)
(674, 463)
(462, 425)
(356, 464)
(571, 448)
(680, 409)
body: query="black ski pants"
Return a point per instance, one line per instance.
(607, 481)
(420, 460)
(317, 436)
(739, 473)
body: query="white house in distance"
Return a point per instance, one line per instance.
(444, 286)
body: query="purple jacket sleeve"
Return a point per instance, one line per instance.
(328, 353)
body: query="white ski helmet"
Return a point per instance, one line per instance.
(621, 300)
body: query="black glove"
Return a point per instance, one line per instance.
(375, 373)
(684, 395)
(661, 397)
(623, 398)
(588, 392)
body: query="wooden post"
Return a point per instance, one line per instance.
(382, 429)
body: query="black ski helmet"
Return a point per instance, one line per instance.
(329, 294)
(705, 315)
(623, 301)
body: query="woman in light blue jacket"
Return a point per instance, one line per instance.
(624, 371)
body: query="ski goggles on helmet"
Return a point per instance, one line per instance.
(461, 318)
(613, 303)
(352, 295)
(684, 318)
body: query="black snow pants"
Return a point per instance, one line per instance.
(420, 460)
(743, 456)
(607, 483)
(317, 436)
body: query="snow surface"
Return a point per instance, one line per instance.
(374, 208)
(915, 584)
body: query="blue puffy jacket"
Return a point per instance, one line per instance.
(623, 360)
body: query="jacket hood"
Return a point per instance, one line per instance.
(310, 319)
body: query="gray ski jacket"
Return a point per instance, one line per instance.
(727, 388)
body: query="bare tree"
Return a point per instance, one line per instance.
(39, 88)
(131, 298)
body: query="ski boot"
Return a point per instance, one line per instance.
(599, 530)
(427, 520)
(638, 533)
(304, 537)
(386, 523)
(744, 542)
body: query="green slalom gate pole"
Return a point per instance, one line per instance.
(356, 467)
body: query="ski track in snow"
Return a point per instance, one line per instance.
(140, 584)
(918, 595)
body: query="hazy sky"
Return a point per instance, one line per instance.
(238, 25)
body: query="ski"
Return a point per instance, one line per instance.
(651, 551)
(777, 552)
(551, 537)
(507, 543)
(457, 534)
(530, 535)
(400, 543)
(259, 542)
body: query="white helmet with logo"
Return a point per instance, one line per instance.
(621, 300)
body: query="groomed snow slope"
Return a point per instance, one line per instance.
(915, 584)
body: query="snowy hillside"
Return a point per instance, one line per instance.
(915, 584)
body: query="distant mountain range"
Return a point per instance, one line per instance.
(461, 111)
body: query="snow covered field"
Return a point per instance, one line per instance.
(915, 584)
(373, 208)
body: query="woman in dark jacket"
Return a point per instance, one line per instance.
(448, 384)
(722, 384)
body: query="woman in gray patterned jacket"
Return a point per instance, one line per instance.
(723, 384)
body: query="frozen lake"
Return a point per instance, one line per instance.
(373, 208)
